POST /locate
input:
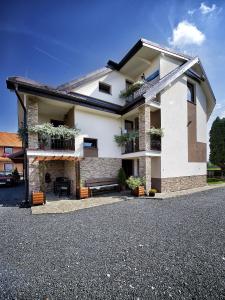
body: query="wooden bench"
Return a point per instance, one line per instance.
(101, 184)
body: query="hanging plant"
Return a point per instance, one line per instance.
(124, 138)
(131, 89)
(156, 131)
(47, 129)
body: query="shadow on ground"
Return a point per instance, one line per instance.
(12, 196)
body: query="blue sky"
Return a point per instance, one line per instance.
(56, 41)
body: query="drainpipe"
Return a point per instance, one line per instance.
(26, 203)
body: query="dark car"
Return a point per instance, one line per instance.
(7, 179)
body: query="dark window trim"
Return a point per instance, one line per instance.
(93, 139)
(106, 85)
(192, 85)
(9, 148)
(8, 163)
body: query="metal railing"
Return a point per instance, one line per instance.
(141, 91)
(52, 143)
(155, 144)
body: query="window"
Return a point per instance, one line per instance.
(128, 84)
(104, 88)
(90, 147)
(190, 92)
(8, 150)
(8, 167)
(90, 143)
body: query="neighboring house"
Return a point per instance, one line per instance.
(176, 97)
(10, 144)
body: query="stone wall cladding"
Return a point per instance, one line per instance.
(182, 183)
(69, 171)
(145, 170)
(96, 167)
(144, 126)
(33, 175)
(55, 169)
(32, 119)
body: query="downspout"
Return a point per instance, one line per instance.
(26, 204)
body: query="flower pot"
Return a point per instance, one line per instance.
(38, 198)
(84, 192)
(139, 191)
(151, 194)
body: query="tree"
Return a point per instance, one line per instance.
(217, 143)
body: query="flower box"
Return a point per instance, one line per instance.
(84, 192)
(139, 191)
(38, 198)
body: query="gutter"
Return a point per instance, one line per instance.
(26, 203)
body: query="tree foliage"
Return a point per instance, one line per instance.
(217, 143)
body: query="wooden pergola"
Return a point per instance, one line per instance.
(56, 158)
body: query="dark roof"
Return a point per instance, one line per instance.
(137, 47)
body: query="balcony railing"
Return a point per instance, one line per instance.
(132, 146)
(155, 144)
(52, 143)
(141, 91)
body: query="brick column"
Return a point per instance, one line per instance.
(32, 119)
(33, 167)
(144, 144)
(145, 170)
(33, 175)
(144, 126)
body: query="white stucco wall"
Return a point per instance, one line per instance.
(114, 78)
(201, 114)
(155, 65)
(101, 127)
(174, 157)
(167, 64)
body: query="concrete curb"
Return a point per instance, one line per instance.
(162, 196)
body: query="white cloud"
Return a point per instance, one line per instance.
(186, 34)
(204, 9)
(191, 11)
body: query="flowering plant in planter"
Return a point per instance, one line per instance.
(137, 185)
(156, 131)
(47, 129)
(131, 89)
(125, 137)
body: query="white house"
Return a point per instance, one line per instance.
(174, 94)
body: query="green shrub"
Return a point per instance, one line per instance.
(152, 192)
(121, 177)
(134, 182)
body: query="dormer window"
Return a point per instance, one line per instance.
(104, 88)
(190, 92)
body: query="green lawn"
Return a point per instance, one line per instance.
(215, 180)
(214, 169)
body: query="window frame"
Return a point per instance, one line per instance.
(193, 93)
(106, 85)
(5, 167)
(91, 147)
(8, 148)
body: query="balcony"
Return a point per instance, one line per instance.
(155, 144)
(140, 92)
(132, 146)
(52, 143)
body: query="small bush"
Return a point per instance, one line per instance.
(152, 192)
(121, 177)
(134, 182)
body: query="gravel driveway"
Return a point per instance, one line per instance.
(136, 249)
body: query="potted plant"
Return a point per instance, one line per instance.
(137, 185)
(152, 192)
(83, 191)
(122, 179)
(131, 89)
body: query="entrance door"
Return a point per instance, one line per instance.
(127, 165)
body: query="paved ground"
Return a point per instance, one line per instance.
(11, 196)
(136, 249)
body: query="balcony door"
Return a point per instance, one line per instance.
(129, 126)
(128, 166)
(57, 143)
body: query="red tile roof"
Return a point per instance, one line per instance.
(10, 139)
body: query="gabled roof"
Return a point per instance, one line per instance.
(10, 139)
(141, 43)
(85, 79)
